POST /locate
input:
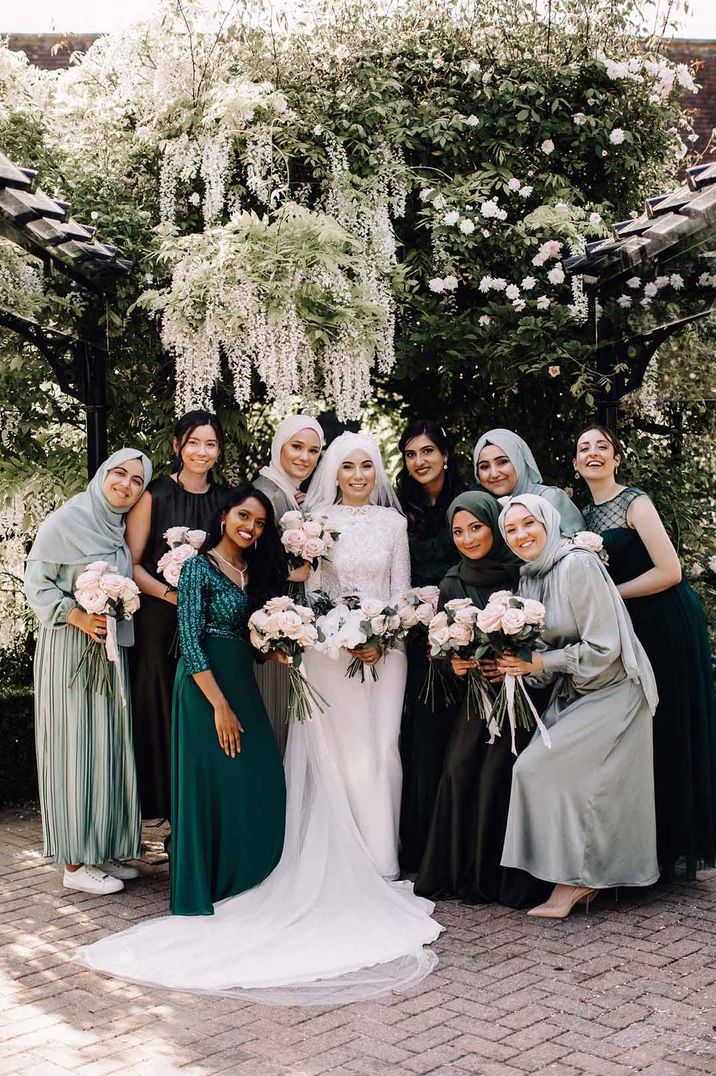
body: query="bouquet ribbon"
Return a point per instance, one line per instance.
(512, 683)
(113, 654)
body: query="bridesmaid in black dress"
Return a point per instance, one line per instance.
(426, 485)
(670, 623)
(186, 498)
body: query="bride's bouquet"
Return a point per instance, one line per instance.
(285, 627)
(509, 622)
(306, 536)
(183, 543)
(356, 622)
(453, 631)
(101, 589)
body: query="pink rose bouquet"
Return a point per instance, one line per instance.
(306, 536)
(101, 589)
(453, 631)
(282, 626)
(183, 543)
(509, 622)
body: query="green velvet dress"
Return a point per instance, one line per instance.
(228, 813)
(671, 627)
(424, 731)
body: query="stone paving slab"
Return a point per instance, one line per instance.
(629, 988)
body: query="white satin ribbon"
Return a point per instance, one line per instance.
(511, 684)
(113, 654)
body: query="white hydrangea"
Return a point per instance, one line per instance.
(650, 289)
(450, 282)
(467, 227)
(634, 282)
(437, 285)
(676, 281)
(484, 319)
(512, 291)
(528, 283)
(450, 219)
(472, 120)
(526, 191)
(624, 301)
(513, 184)
(543, 303)
(617, 136)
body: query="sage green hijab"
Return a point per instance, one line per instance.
(498, 570)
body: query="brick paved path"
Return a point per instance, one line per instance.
(630, 988)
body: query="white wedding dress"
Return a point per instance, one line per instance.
(325, 927)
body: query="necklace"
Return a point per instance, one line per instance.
(241, 571)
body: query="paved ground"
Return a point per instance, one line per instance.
(630, 988)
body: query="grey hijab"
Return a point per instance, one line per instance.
(636, 664)
(519, 453)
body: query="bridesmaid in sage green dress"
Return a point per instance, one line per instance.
(228, 788)
(582, 808)
(426, 485)
(671, 624)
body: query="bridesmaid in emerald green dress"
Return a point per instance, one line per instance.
(670, 622)
(426, 485)
(228, 788)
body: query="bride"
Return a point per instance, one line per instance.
(326, 927)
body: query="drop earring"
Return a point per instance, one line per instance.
(223, 526)
(577, 474)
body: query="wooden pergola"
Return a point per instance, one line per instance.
(677, 225)
(44, 227)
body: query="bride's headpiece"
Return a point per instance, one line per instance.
(323, 490)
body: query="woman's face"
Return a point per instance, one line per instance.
(524, 534)
(356, 478)
(595, 456)
(495, 472)
(473, 538)
(124, 484)
(245, 523)
(423, 460)
(200, 451)
(299, 455)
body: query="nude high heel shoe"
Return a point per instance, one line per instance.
(580, 895)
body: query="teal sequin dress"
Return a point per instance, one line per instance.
(671, 627)
(228, 814)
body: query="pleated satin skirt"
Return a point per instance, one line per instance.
(85, 759)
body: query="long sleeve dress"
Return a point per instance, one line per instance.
(85, 761)
(424, 729)
(153, 658)
(227, 813)
(582, 811)
(672, 628)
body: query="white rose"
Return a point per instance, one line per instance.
(378, 625)
(172, 572)
(439, 621)
(501, 597)
(466, 616)
(291, 519)
(424, 613)
(489, 619)
(440, 636)
(460, 633)
(112, 584)
(312, 528)
(87, 579)
(428, 595)
(409, 617)
(175, 536)
(457, 603)
(131, 604)
(258, 620)
(534, 611)
(92, 600)
(313, 548)
(274, 605)
(513, 621)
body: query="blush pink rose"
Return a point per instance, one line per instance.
(312, 528)
(293, 540)
(92, 600)
(113, 585)
(534, 611)
(99, 566)
(460, 633)
(313, 548)
(274, 605)
(196, 538)
(513, 621)
(425, 613)
(489, 619)
(87, 579)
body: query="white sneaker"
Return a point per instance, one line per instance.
(91, 880)
(117, 869)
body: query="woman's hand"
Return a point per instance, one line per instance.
(369, 655)
(462, 666)
(277, 655)
(92, 624)
(228, 729)
(510, 665)
(489, 669)
(300, 575)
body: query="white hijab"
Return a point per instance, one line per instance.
(285, 430)
(324, 490)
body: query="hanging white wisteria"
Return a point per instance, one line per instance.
(294, 298)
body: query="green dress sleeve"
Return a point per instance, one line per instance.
(193, 593)
(48, 601)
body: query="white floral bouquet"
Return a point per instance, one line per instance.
(101, 589)
(453, 631)
(356, 622)
(511, 623)
(306, 536)
(183, 543)
(593, 542)
(285, 627)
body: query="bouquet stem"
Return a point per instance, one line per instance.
(514, 703)
(479, 696)
(358, 666)
(297, 591)
(435, 679)
(94, 662)
(302, 694)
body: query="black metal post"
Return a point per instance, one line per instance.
(92, 371)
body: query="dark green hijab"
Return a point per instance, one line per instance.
(499, 570)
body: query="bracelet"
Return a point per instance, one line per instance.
(167, 589)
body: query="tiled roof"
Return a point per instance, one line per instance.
(50, 51)
(671, 223)
(44, 226)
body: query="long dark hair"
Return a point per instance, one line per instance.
(423, 517)
(607, 434)
(184, 429)
(266, 559)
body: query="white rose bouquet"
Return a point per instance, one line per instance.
(101, 589)
(282, 626)
(593, 542)
(183, 543)
(509, 622)
(306, 536)
(453, 631)
(354, 623)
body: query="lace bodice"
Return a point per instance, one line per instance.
(370, 558)
(612, 513)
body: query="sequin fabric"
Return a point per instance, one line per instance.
(612, 513)
(209, 605)
(371, 557)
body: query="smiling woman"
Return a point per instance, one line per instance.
(88, 791)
